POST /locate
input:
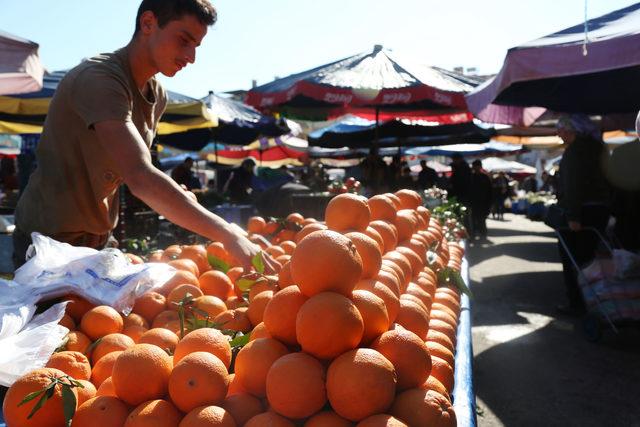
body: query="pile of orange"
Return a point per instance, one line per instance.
(354, 329)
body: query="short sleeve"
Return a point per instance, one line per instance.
(99, 94)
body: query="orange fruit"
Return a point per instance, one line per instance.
(104, 411)
(255, 311)
(328, 324)
(438, 350)
(86, 392)
(49, 415)
(444, 316)
(374, 314)
(185, 264)
(162, 319)
(171, 252)
(284, 276)
(280, 314)
(100, 321)
(447, 299)
(442, 371)
(417, 246)
(392, 267)
(401, 261)
(394, 199)
(288, 246)
(283, 259)
(413, 318)
(433, 384)
(210, 415)
(134, 319)
(275, 251)
(284, 235)
(197, 254)
(296, 386)
(388, 233)
(326, 261)
(260, 331)
(408, 354)
(234, 386)
(440, 338)
(424, 213)
(327, 419)
(369, 252)
(205, 339)
(436, 306)
(308, 221)
(77, 307)
(179, 293)
(234, 320)
(347, 212)
(391, 301)
(261, 286)
(154, 413)
(381, 420)
(416, 262)
(295, 218)
(422, 295)
(210, 305)
(256, 224)
(406, 223)
(217, 250)
(382, 208)
(110, 343)
(149, 305)
(104, 368)
(424, 408)
(179, 278)
(242, 407)
(308, 229)
(72, 363)
(141, 373)
(200, 378)
(270, 419)
(360, 383)
(371, 232)
(254, 361)
(444, 327)
(409, 199)
(134, 259)
(106, 388)
(67, 322)
(155, 256)
(415, 299)
(216, 283)
(234, 273)
(390, 280)
(163, 338)
(235, 302)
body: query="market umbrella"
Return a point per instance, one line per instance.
(241, 124)
(496, 164)
(356, 132)
(25, 113)
(271, 157)
(594, 71)
(378, 82)
(20, 67)
(490, 148)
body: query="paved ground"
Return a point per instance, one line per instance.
(533, 367)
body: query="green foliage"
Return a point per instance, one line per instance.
(218, 264)
(451, 277)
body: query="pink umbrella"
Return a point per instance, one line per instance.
(20, 67)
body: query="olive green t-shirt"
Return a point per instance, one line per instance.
(73, 190)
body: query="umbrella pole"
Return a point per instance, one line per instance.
(377, 133)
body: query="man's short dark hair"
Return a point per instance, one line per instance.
(171, 10)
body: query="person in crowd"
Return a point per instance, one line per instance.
(373, 171)
(500, 186)
(99, 129)
(460, 180)
(405, 180)
(583, 196)
(183, 175)
(393, 172)
(480, 200)
(530, 184)
(239, 184)
(8, 176)
(427, 177)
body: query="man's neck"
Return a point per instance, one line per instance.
(140, 62)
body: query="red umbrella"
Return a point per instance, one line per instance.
(370, 83)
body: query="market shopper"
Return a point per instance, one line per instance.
(427, 177)
(480, 198)
(99, 127)
(583, 196)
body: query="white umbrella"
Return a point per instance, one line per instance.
(20, 68)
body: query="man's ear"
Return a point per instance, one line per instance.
(148, 22)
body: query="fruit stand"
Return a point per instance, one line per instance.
(365, 320)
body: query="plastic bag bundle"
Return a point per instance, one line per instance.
(103, 277)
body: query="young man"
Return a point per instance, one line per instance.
(100, 125)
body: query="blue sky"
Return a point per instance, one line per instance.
(261, 39)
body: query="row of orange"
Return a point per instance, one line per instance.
(355, 328)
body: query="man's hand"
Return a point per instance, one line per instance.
(240, 248)
(575, 225)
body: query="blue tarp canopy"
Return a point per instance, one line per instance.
(356, 132)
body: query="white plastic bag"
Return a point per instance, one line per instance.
(32, 347)
(102, 277)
